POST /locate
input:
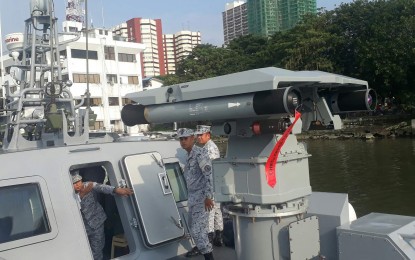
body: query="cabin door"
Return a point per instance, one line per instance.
(157, 211)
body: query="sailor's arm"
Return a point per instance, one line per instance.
(123, 191)
(107, 189)
(205, 165)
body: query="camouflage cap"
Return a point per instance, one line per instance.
(184, 132)
(75, 176)
(201, 129)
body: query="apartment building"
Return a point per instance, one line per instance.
(266, 17)
(292, 11)
(169, 53)
(114, 71)
(184, 42)
(149, 33)
(235, 21)
(162, 52)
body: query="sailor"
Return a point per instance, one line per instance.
(92, 212)
(198, 174)
(215, 217)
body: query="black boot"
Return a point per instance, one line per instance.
(209, 256)
(194, 252)
(210, 236)
(218, 241)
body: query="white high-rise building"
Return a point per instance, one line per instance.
(184, 42)
(169, 53)
(235, 20)
(149, 33)
(162, 51)
(114, 71)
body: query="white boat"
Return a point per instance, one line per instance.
(40, 215)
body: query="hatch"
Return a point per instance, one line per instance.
(157, 211)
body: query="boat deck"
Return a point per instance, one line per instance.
(219, 253)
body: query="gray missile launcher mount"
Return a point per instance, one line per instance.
(253, 109)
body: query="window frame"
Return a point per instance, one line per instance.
(48, 209)
(176, 163)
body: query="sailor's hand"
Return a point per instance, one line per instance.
(86, 189)
(123, 191)
(209, 204)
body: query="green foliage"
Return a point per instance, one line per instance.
(207, 61)
(369, 40)
(377, 42)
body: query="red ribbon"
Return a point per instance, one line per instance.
(271, 165)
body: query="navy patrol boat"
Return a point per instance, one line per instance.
(262, 181)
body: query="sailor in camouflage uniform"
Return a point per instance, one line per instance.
(215, 218)
(92, 212)
(198, 174)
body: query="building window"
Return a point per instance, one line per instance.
(81, 54)
(126, 101)
(112, 78)
(109, 53)
(22, 213)
(133, 80)
(94, 102)
(113, 101)
(124, 57)
(99, 125)
(65, 77)
(81, 78)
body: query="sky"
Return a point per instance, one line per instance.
(195, 15)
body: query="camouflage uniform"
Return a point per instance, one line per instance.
(215, 216)
(94, 217)
(198, 174)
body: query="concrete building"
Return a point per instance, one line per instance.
(184, 42)
(266, 17)
(162, 51)
(149, 33)
(291, 11)
(235, 21)
(177, 47)
(114, 71)
(169, 53)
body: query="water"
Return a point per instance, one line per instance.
(378, 175)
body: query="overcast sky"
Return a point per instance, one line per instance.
(176, 15)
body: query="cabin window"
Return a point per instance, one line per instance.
(177, 181)
(22, 213)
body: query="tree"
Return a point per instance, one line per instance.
(207, 61)
(305, 47)
(377, 42)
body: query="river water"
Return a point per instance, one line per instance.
(378, 175)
